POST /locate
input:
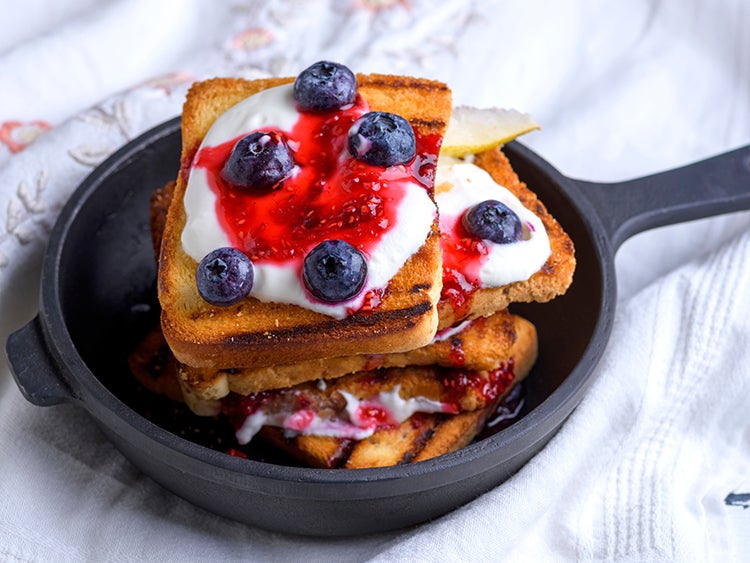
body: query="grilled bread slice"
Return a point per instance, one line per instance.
(256, 334)
(550, 281)
(480, 348)
(420, 437)
(458, 386)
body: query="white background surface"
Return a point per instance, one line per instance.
(621, 90)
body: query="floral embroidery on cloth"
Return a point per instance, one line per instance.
(17, 135)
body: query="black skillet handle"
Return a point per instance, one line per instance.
(33, 367)
(717, 185)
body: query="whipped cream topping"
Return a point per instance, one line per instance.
(280, 281)
(459, 185)
(364, 417)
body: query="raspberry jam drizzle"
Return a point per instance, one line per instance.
(457, 353)
(457, 383)
(238, 407)
(331, 195)
(369, 414)
(463, 256)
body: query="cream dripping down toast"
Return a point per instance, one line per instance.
(400, 314)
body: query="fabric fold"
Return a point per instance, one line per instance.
(614, 483)
(84, 60)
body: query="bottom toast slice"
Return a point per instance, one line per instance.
(421, 437)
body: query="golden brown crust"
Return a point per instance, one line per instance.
(551, 280)
(255, 334)
(160, 201)
(454, 433)
(421, 437)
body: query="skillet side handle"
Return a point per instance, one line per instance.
(720, 184)
(33, 368)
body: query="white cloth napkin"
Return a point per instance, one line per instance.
(642, 469)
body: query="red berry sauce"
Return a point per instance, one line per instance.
(373, 415)
(238, 407)
(331, 195)
(457, 353)
(458, 382)
(300, 420)
(463, 256)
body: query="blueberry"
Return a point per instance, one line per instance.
(224, 276)
(325, 86)
(494, 221)
(334, 271)
(382, 139)
(259, 161)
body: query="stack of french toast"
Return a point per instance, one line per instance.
(331, 281)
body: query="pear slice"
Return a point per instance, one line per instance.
(473, 130)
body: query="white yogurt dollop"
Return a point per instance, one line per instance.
(460, 185)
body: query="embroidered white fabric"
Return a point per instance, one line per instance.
(642, 469)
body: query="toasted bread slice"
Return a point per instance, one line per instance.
(551, 280)
(422, 436)
(480, 345)
(256, 334)
(475, 352)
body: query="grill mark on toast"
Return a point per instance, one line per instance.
(397, 319)
(419, 444)
(337, 460)
(427, 124)
(420, 287)
(391, 82)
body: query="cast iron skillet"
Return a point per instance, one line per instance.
(98, 298)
